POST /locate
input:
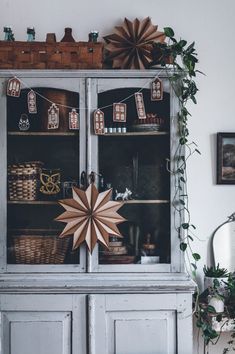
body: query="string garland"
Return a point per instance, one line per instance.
(25, 85)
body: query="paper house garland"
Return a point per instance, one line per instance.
(13, 87)
(32, 105)
(53, 117)
(119, 112)
(139, 101)
(156, 90)
(73, 120)
(98, 122)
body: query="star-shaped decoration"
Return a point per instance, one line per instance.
(131, 44)
(90, 216)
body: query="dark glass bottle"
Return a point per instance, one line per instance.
(101, 184)
(68, 35)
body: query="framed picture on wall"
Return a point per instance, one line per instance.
(225, 158)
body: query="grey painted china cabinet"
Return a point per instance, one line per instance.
(133, 298)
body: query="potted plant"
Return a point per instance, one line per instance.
(216, 299)
(215, 278)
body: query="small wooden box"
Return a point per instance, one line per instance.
(42, 55)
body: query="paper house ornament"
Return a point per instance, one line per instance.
(98, 122)
(119, 112)
(156, 90)
(53, 117)
(73, 120)
(139, 101)
(32, 105)
(13, 87)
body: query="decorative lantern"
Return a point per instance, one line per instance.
(24, 122)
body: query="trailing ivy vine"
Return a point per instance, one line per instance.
(183, 58)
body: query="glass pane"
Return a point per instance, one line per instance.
(134, 163)
(43, 164)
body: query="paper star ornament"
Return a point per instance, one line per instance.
(90, 216)
(131, 44)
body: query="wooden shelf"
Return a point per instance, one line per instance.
(17, 133)
(33, 202)
(137, 133)
(31, 231)
(147, 201)
(50, 202)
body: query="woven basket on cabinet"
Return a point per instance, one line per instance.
(23, 180)
(38, 249)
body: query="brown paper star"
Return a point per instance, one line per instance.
(130, 46)
(90, 216)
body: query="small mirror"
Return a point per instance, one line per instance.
(223, 244)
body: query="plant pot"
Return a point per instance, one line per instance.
(161, 56)
(209, 283)
(217, 303)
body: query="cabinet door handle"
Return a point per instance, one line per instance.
(83, 180)
(91, 177)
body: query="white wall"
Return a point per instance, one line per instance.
(211, 25)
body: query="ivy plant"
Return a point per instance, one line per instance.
(183, 58)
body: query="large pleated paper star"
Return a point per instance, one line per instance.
(90, 216)
(131, 44)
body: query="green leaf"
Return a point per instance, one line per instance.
(169, 32)
(199, 152)
(182, 202)
(182, 179)
(185, 226)
(190, 47)
(200, 72)
(194, 265)
(210, 309)
(199, 323)
(193, 226)
(183, 141)
(190, 237)
(183, 246)
(182, 43)
(196, 256)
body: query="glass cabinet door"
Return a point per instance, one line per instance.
(45, 158)
(133, 157)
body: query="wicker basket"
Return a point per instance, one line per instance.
(23, 180)
(38, 249)
(58, 55)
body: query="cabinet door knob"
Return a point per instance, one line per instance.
(83, 180)
(92, 177)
